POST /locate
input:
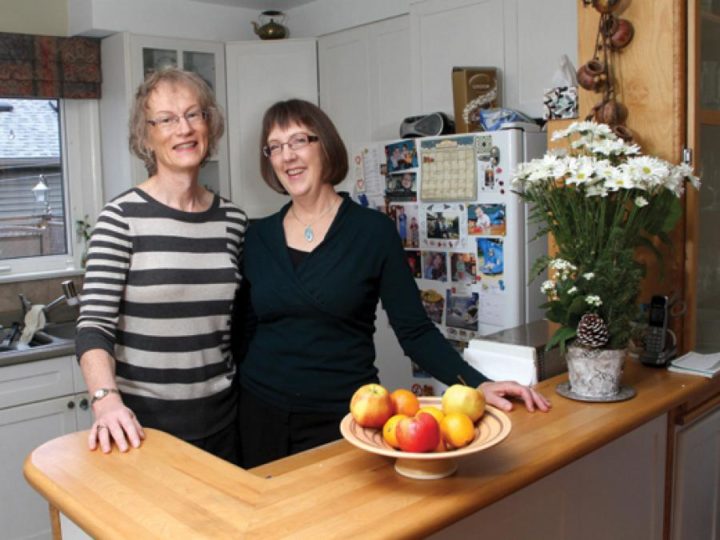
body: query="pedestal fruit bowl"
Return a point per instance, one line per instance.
(491, 429)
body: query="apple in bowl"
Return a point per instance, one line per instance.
(464, 399)
(419, 433)
(371, 406)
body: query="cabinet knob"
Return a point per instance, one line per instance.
(71, 405)
(84, 404)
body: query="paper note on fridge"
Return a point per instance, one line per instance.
(503, 361)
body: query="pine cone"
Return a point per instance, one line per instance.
(592, 332)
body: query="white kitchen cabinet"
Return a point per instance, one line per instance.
(696, 482)
(126, 59)
(39, 401)
(524, 39)
(365, 80)
(259, 73)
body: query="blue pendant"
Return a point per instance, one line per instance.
(309, 235)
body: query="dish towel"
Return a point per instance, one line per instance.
(34, 320)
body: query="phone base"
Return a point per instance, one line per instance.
(657, 360)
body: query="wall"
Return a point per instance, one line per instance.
(323, 17)
(41, 291)
(166, 18)
(42, 17)
(650, 81)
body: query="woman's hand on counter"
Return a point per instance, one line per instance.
(496, 394)
(114, 422)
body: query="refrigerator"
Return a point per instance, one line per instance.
(465, 234)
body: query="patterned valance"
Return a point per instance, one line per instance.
(49, 67)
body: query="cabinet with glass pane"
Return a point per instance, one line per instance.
(703, 208)
(126, 60)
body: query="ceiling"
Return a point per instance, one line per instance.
(260, 5)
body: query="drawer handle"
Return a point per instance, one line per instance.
(71, 405)
(84, 404)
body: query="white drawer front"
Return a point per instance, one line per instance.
(35, 381)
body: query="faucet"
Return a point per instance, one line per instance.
(69, 296)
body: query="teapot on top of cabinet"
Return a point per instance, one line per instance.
(269, 28)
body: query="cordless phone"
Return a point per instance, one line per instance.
(656, 335)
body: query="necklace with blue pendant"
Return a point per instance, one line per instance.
(309, 234)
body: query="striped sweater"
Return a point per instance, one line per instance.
(157, 296)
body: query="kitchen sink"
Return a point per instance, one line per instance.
(64, 330)
(55, 339)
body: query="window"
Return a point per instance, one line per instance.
(33, 216)
(70, 165)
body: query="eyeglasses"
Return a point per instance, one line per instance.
(171, 121)
(295, 142)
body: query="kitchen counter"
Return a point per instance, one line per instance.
(171, 489)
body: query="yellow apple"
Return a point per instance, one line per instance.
(371, 406)
(464, 399)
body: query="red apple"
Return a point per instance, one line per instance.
(421, 433)
(371, 406)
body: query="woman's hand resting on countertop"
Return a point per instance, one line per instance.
(114, 422)
(496, 393)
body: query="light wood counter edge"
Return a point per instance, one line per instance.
(570, 431)
(80, 483)
(337, 481)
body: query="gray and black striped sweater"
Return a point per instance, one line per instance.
(157, 296)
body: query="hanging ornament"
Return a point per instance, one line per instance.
(597, 75)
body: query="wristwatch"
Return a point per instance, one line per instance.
(101, 393)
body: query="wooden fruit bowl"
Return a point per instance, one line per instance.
(490, 430)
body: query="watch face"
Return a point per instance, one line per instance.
(100, 393)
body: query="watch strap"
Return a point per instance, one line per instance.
(103, 392)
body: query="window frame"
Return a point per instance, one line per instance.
(80, 151)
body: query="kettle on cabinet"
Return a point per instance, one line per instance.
(269, 27)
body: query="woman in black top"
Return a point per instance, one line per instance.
(316, 270)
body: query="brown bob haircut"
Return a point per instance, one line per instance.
(138, 125)
(284, 114)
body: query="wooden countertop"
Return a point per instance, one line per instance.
(170, 489)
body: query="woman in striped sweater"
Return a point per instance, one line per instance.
(163, 270)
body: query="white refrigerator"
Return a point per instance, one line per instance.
(465, 233)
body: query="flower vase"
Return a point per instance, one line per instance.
(595, 374)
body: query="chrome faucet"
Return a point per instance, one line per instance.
(69, 296)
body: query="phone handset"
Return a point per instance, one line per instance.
(656, 346)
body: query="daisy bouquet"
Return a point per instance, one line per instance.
(600, 199)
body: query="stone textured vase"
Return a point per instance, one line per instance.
(595, 373)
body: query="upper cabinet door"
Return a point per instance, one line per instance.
(207, 59)
(365, 80)
(259, 73)
(127, 60)
(519, 37)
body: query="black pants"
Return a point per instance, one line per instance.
(223, 444)
(268, 433)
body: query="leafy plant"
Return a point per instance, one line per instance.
(84, 231)
(84, 228)
(600, 200)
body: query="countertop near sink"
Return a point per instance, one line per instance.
(60, 342)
